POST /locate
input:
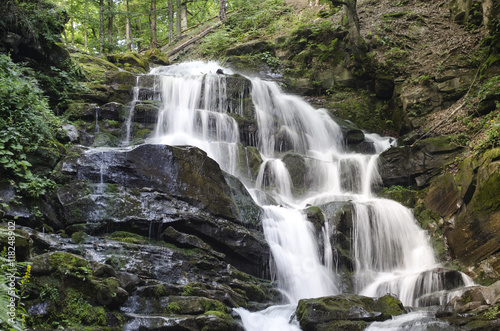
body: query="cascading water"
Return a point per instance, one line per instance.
(391, 253)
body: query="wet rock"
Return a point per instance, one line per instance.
(296, 166)
(182, 187)
(329, 313)
(249, 161)
(180, 239)
(184, 172)
(146, 113)
(249, 212)
(416, 164)
(315, 216)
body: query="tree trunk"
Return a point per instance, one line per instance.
(101, 26)
(154, 39)
(178, 20)
(222, 10)
(353, 20)
(85, 28)
(72, 32)
(128, 28)
(355, 39)
(110, 25)
(170, 20)
(85, 37)
(184, 18)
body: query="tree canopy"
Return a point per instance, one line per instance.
(99, 26)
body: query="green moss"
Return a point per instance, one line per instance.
(173, 308)
(78, 237)
(127, 237)
(404, 195)
(69, 311)
(95, 69)
(214, 305)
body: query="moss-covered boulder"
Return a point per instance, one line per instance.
(156, 56)
(129, 61)
(331, 313)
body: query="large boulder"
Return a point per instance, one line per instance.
(348, 311)
(186, 173)
(144, 188)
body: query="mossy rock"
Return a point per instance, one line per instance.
(316, 217)
(95, 68)
(320, 313)
(191, 305)
(70, 269)
(130, 60)
(78, 237)
(104, 139)
(156, 56)
(81, 111)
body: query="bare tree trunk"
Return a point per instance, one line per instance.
(154, 39)
(110, 26)
(184, 18)
(85, 37)
(222, 10)
(85, 29)
(128, 28)
(101, 26)
(170, 20)
(178, 21)
(72, 31)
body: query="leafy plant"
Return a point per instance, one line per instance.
(26, 123)
(12, 267)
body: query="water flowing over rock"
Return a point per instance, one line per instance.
(235, 183)
(159, 184)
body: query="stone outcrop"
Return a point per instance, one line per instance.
(416, 164)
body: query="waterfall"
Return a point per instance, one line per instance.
(391, 252)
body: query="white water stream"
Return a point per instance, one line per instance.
(391, 253)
